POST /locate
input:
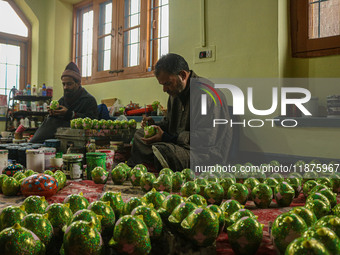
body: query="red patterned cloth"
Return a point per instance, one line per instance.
(91, 191)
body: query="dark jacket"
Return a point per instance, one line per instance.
(84, 106)
(186, 127)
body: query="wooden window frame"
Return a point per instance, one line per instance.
(25, 44)
(302, 46)
(117, 57)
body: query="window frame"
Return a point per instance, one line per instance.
(134, 72)
(302, 46)
(25, 44)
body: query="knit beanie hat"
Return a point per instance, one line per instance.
(72, 70)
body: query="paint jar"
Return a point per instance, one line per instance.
(35, 160)
(53, 143)
(109, 158)
(72, 166)
(49, 153)
(3, 160)
(94, 159)
(56, 164)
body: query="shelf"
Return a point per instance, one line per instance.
(27, 113)
(140, 118)
(312, 121)
(32, 98)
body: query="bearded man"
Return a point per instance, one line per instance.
(185, 138)
(76, 103)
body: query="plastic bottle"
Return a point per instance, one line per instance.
(27, 122)
(49, 91)
(40, 90)
(43, 90)
(28, 89)
(22, 121)
(45, 107)
(34, 91)
(34, 106)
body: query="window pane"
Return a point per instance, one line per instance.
(9, 67)
(163, 47)
(131, 47)
(105, 18)
(104, 53)
(10, 22)
(131, 13)
(324, 18)
(159, 36)
(163, 21)
(87, 45)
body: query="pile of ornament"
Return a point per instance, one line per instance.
(88, 123)
(311, 229)
(215, 187)
(28, 182)
(132, 227)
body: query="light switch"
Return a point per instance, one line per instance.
(205, 54)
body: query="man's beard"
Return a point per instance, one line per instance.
(179, 87)
(69, 93)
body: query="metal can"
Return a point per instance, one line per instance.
(72, 166)
(94, 159)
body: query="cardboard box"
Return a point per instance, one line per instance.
(109, 101)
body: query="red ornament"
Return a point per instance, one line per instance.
(39, 185)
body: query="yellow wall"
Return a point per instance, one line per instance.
(251, 39)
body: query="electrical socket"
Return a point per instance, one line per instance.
(205, 54)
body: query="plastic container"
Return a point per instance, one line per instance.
(72, 166)
(49, 153)
(54, 143)
(3, 160)
(56, 164)
(13, 152)
(49, 91)
(34, 91)
(35, 160)
(109, 158)
(22, 155)
(94, 159)
(43, 90)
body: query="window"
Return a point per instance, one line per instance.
(14, 47)
(119, 39)
(315, 27)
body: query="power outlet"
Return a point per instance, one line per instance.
(205, 54)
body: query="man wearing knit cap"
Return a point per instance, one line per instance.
(76, 103)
